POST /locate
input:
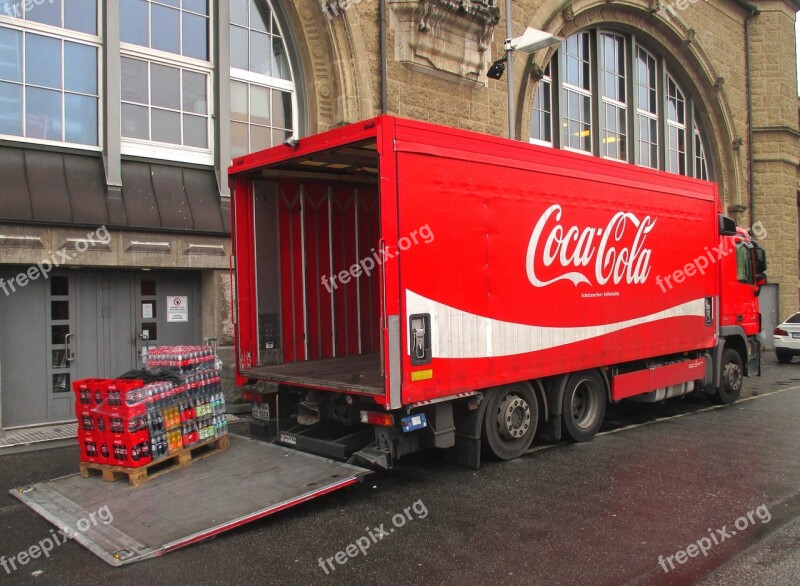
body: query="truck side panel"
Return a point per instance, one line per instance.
(540, 267)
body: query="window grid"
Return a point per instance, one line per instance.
(542, 115)
(576, 130)
(190, 18)
(613, 141)
(649, 101)
(646, 109)
(54, 100)
(263, 100)
(700, 165)
(676, 128)
(190, 106)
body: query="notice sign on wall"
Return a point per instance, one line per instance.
(177, 309)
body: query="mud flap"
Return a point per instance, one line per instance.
(247, 482)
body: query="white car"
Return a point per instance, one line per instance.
(787, 339)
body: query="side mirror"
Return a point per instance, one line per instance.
(727, 227)
(761, 261)
(761, 280)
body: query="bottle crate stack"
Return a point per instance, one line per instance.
(131, 423)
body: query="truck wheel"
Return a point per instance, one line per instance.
(510, 420)
(732, 378)
(584, 405)
(783, 355)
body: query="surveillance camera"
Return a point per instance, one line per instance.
(497, 69)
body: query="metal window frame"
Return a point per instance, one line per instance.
(63, 35)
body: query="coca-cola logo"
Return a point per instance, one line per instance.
(613, 253)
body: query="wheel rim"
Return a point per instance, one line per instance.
(584, 405)
(733, 376)
(513, 417)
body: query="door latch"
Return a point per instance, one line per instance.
(420, 336)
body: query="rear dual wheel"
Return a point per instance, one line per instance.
(510, 420)
(584, 405)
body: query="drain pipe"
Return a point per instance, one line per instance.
(384, 88)
(753, 12)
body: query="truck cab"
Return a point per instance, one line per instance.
(742, 274)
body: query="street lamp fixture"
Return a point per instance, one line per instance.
(531, 41)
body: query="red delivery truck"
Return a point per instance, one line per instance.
(401, 285)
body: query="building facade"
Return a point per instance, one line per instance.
(121, 117)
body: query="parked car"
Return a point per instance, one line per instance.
(787, 339)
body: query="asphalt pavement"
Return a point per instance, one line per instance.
(674, 493)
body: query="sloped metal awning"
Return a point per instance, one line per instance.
(57, 188)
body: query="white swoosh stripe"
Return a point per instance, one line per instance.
(458, 334)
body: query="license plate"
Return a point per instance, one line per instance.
(288, 439)
(795, 335)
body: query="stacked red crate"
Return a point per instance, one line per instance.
(127, 433)
(90, 393)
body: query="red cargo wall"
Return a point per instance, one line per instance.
(504, 307)
(336, 226)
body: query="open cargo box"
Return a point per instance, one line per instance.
(314, 219)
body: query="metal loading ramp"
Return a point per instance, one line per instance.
(246, 482)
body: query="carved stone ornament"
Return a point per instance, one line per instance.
(445, 38)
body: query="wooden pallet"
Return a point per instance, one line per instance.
(180, 459)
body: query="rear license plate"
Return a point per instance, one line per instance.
(795, 335)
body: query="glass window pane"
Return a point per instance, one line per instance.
(279, 136)
(239, 12)
(238, 101)
(198, 6)
(239, 144)
(195, 131)
(165, 86)
(166, 126)
(59, 310)
(80, 68)
(43, 61)
(135, 122)
(59, 286)
(80, 119)
(61, 383)
(239, 48)
(195, 36)
(148, 288)
(260, 138)
(11, 8)
(259, 105)
(10, 55)
(165, 29)
(281, 109)
(134, 14)
(135, 86)
(45, 12)
(259, 53)
(280, 61)
(194, 93)
(10, 109)
(58, 332)
(259, 16)
(43, 113)
(81, 15)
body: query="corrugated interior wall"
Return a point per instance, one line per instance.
(334, 226)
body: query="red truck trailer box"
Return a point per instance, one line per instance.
(494, 288)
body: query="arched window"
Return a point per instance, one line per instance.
(605, 93)
(263, 94)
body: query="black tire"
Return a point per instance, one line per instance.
(584, 405)
(784, 356)
(732, 378)
(510, 420)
